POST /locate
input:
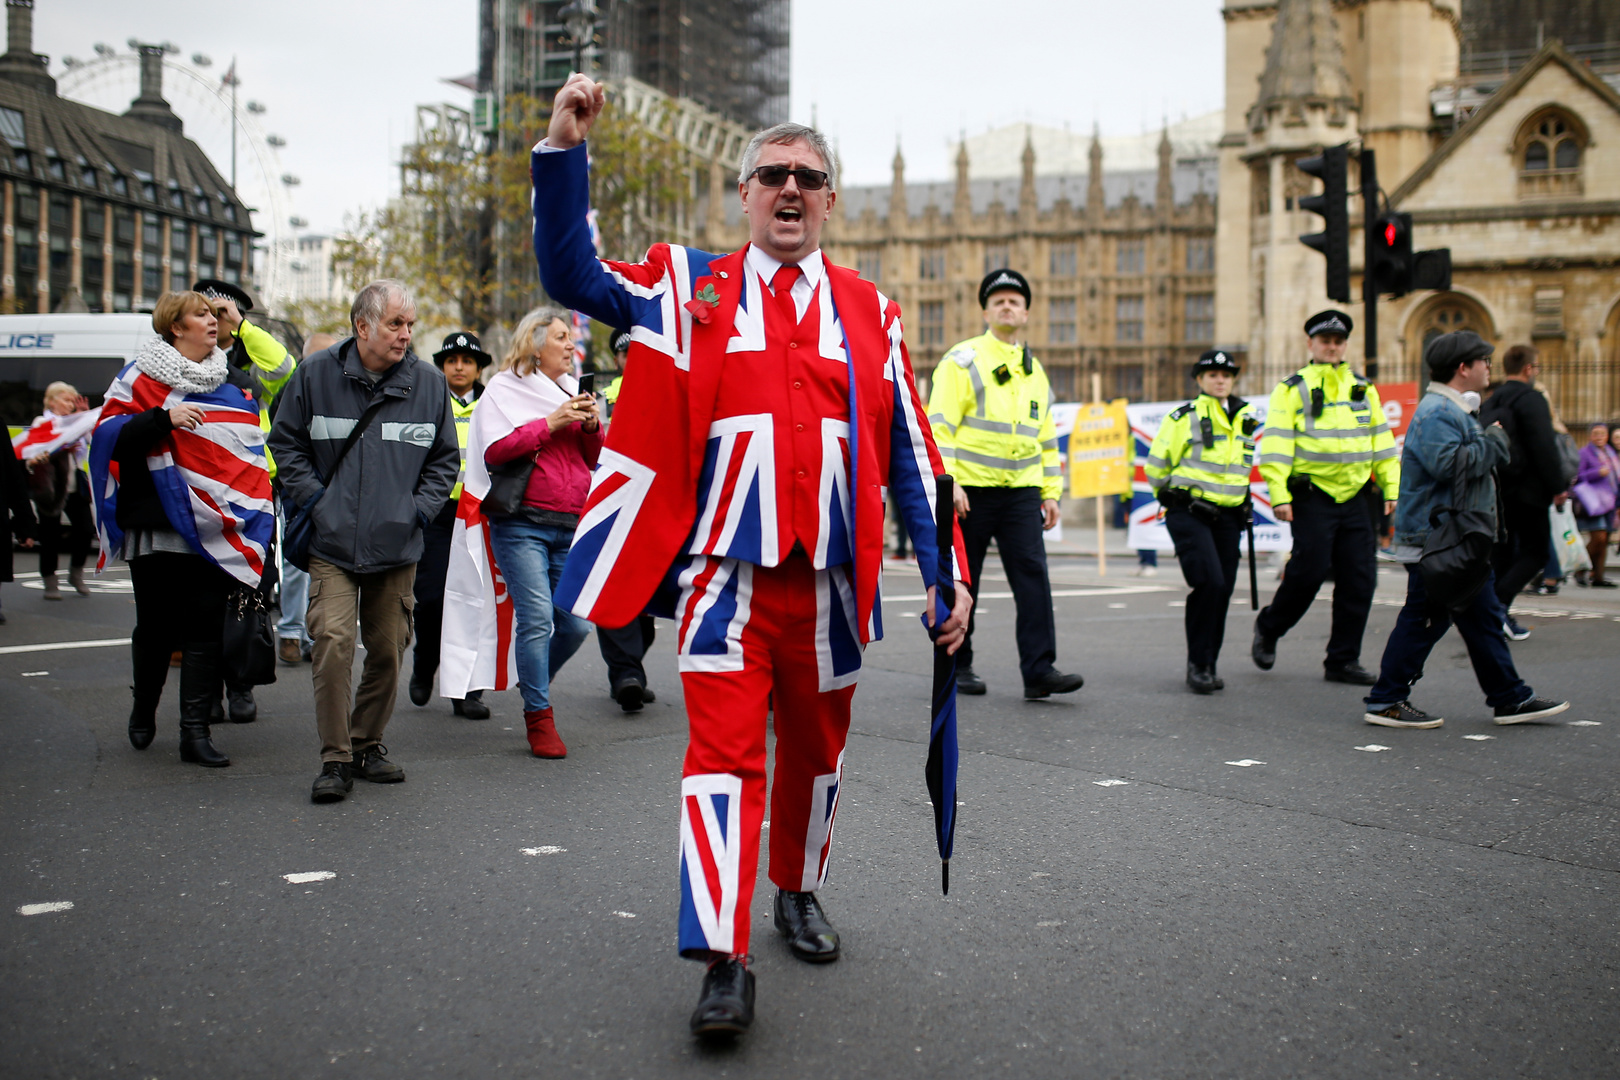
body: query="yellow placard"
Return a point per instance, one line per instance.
(1100, 450)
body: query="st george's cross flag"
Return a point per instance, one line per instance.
(478, 648)
(50, 433)
(213, 482)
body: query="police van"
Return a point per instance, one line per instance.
(87, 350)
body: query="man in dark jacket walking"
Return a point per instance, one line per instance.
(368, 516)
(1531, 480)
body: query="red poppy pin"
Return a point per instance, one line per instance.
(703, 302)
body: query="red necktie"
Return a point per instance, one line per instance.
(782, 286)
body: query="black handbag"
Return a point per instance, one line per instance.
(298, 520)
(249, 653)
(1456, 559)
(507, 485)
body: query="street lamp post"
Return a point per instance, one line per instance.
(579, 16)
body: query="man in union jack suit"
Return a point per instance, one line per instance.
(767, 410)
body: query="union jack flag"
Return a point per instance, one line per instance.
(51, 433)
(213, 482)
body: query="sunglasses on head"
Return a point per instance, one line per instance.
(775, 176)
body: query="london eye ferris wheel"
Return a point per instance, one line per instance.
(228, 126)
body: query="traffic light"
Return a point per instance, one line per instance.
(1432, 270)
(1334, 239)
(1389, 255)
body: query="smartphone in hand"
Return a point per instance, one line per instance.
(587, 383)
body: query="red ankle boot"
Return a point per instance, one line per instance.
(544, 741)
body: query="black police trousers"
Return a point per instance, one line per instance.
(623, 648)
(1208, 553)
(1328, 534)
(1012, 518)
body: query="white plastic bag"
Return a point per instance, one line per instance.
(1567, 540)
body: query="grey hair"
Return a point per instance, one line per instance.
(520, 351)
(371, 303)
(782, 135)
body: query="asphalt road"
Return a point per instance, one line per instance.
(1128, 899)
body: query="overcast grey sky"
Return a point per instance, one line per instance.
(341, 79)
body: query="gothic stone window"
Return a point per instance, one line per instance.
(1200, 312)
(869, 264)
(931, 324)
(1063, 260)
(1548, 154)
(1130, 257)
(1200, 255)
(996, 257)
(1061, 324)
(1127, 318)
(931, 264)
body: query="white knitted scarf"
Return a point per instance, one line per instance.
(164, 363)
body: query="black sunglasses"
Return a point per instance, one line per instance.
(774, 176)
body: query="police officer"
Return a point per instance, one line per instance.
(1199, 466)
(623, 648)
(991, 411)
(1326, 443)
(461, 359)
(256, 351)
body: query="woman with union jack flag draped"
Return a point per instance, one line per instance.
(182, 495)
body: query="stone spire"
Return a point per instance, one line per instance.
(963, 209)
(1094, 185)
(1164, 197)
(1305, 69)
(897, 190)
(20, 63)
(1027, 205)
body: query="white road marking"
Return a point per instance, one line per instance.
(1110, 590)
(1586, 723)
(1050, 922)
(34, 674)
(305, 879)
(1110, 783)
(625, 914)
(45, 909)
(1177, 603)
(1116, 605)
(1244, 763)
(1371, 748)
(544, 849)
(1479, 738)
(52, 646)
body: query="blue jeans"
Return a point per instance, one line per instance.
(294, 605)
(531, 558)
(1417, 632)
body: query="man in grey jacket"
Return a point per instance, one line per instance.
(368, 515)
(1448, 460)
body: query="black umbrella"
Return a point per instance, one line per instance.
(940, 771)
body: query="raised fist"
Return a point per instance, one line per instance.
(575, 109)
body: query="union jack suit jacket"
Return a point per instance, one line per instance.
(638, 520)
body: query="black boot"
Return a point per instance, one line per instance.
(150, 667)
(201, 682)
(1201, 678)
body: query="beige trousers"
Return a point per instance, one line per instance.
(381, 604)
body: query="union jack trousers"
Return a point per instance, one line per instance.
(754, 639)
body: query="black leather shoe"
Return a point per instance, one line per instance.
(726, 1007)
(647, 695)
(1053, 682)
(1352, 673)
(630, 694)
(196, 748)
(472, 708)
(240, 706)
(969, 683)
(1220, 683)
(1264, 650)
(1201, 678)
(420, 691)
(799, 918)
(333, 784)
(372, 764)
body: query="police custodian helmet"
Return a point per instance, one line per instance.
(997, 280)
(1214, 360)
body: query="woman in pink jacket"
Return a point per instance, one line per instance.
(562, 439)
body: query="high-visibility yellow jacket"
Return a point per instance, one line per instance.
(463, 415)
(1205, 452)
(993, 420)
(1326, 423)
(270, 365)
(611, 394)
